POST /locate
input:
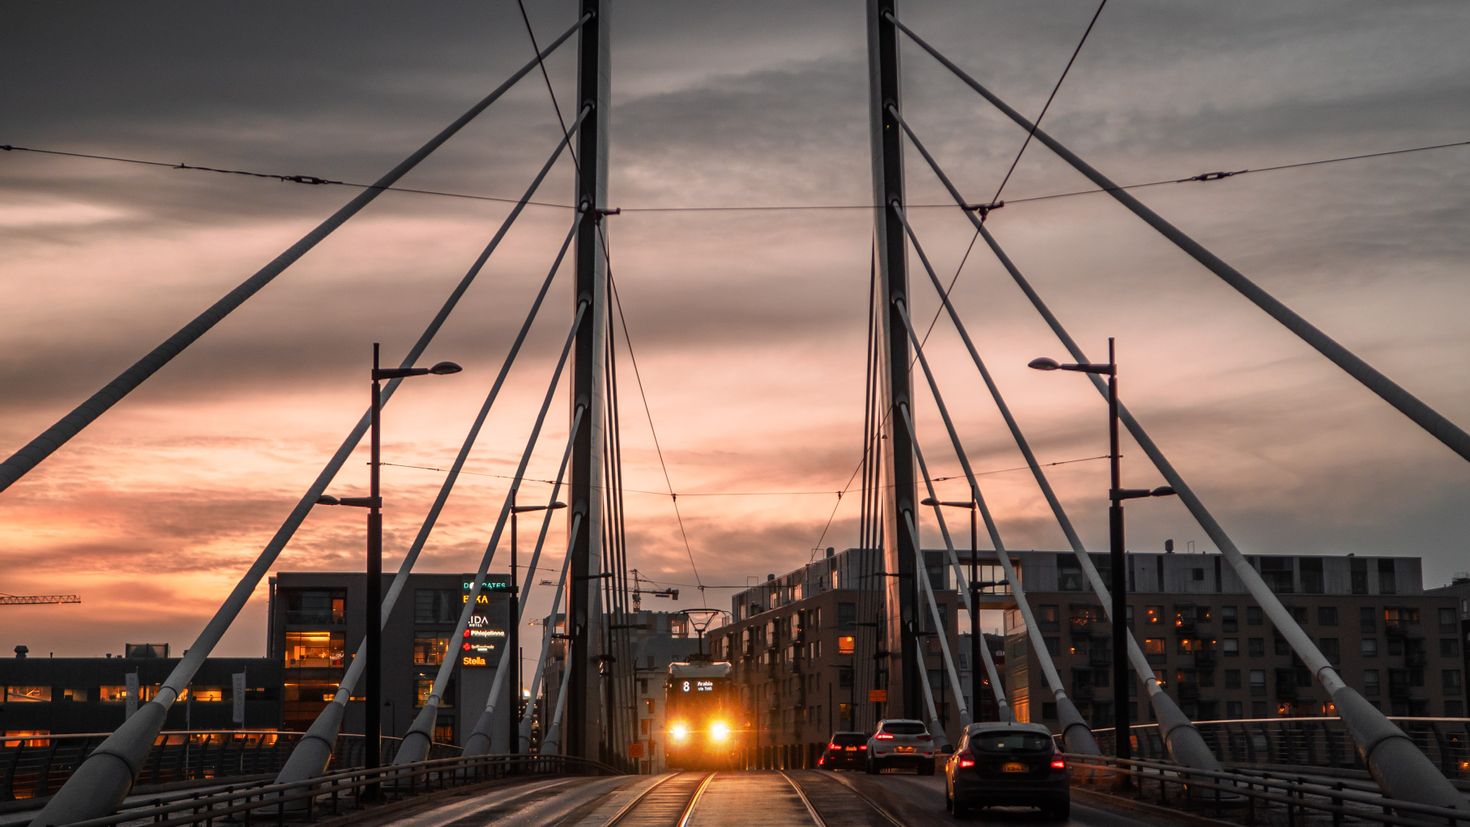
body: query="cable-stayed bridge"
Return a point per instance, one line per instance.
(582, 770)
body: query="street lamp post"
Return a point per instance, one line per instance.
(1122, 745)
(513, 632)
(373, 608)
(974, 597)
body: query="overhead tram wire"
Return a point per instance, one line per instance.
(1203, 177)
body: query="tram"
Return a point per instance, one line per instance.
(704, 726)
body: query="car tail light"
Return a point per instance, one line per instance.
(862, 746)
(821, 761)
(1058, 763)
(926, 737)
(832, 745)
(967, 759)
(884, 736)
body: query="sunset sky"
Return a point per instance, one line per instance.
(748, 326)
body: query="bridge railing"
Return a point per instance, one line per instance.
(1309, 742)
(1258, 797)
(345, 791)
(35, 766)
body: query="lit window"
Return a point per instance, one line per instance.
(115, 694)
(314, 649)
(1153, 646)
(27, 694)
(429, 651)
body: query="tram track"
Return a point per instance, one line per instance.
(669, 802)
(833, 800)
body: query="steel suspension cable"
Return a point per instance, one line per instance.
(1433, 423)
(1409, 774)
(1075, 731)
(416, 741)
(478, 741)
(42, 446)
(311, 756)
(1185, 745)
(98, 786)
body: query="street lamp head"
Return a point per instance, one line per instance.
(328, 499)
(559, 504)
(445, 368)
(1043, 363)
(1163, 491)
(929, 501)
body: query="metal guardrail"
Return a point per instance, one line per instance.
(35, 766)
(1256, 798)
(1309, 742)
(337, 793)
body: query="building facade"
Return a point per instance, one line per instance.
(53, 696)
(1216, 652)
(794, 642)
(316, 622)
(1459, 589)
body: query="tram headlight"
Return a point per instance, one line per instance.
(719, 732)
(679, 733)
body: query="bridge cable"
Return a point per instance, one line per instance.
(309, 759)
(131, 740)
(1426, 417)
(995, 199)
(1075, 731)
(42, 446)
(478, 742)
(1368, 723)
(416, 740)
(1180, 737)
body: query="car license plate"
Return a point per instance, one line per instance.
(1013, 766)
(904, 749)
(852, 749)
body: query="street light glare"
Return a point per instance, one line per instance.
(445, 368)
(1043, 363)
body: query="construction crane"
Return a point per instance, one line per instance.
(37, 599)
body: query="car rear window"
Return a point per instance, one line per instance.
(846, 738)
(1002, 741)
(905, 728)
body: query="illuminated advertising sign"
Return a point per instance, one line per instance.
(484, 635)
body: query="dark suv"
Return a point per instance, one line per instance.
(998, 763)
(846, 750)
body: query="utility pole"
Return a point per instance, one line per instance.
(902, 592)
(583, 725)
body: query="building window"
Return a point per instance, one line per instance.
(1277, 572)
(1254, 616)
(1047, 617)
(314, 649)
(1153, 646)
(27, 694)
(1368, 647)
(1232, 678)
(1258, 682)
(1153, 615)
(1234, 709)
(1228, 619)
(1069, 574)
(204, 694)
(1053, 645)
(436, 606)
(1311, 568)
(1330, 649)
(1256, 647)
(1449, 647)
(1230, 646)
(1326, 615)
(1279, 644)
(1368, 619)
(315, 607)
(1370, 681)
(1451, 680)
(1447, 621)
(1359, 575)
(74, 695)
(429, 651)
(444, 732)
(1387, 583)
(114, 694)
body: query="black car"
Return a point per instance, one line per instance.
(998, 763)
(845, 750)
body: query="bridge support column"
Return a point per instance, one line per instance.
(899, 503)
(583, 727)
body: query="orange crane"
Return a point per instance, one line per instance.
(37, 599)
